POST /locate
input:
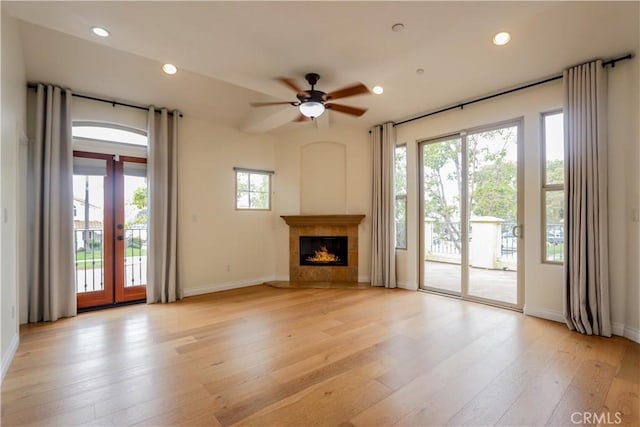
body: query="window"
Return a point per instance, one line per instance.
(109, 133)
(253, 189)
(400, 190)
(109, 138)
(553, 187)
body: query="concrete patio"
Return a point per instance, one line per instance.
(498, 285)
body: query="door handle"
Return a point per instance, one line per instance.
(120, 237)
(516, 231)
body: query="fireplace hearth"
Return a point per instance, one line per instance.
(324, 250)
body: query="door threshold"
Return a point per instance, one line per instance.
(105, 306)
(474, 300)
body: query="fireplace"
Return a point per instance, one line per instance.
(337, 261)
(324, 250)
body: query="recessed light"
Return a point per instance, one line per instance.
(377, 90)
(420, 71)
(397, 27)
(169, 68)
(99, 31)
(501, 38)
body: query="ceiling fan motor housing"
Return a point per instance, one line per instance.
(312, 96)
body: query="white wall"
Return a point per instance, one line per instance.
(88, 110)
(323, 178)
(624, 186)
(633, 267)
(543, 282)
(291, 181)
(221, 247)
(13, 94)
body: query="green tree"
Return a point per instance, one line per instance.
(442, 187)
(495, 191)
(491, 180)
(139, 200)
(400, 183)
(555, 171)
(555, 199)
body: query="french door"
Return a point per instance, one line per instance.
(110, 228)
(470, 204)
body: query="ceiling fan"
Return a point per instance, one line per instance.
(312, 103)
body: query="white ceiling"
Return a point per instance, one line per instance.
(229, 52)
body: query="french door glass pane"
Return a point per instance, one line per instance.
(442, 183)
(135, 228)
(493, 193)
(88, 231)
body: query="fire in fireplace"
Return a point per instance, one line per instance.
(324, 250)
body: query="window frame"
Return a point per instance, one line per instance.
(400, 197)
(268, 173)
(546, 188)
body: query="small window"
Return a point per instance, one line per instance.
(253, 189)
(553, 187)
(400, 190)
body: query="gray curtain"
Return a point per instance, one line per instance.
(50, 277)
(587, 306)
(383, 252)
(162, 162)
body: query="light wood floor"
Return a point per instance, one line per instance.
(263, 356)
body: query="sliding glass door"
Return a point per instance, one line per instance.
(442, 213)
(471, 221)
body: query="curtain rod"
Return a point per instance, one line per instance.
(106, 101)
(461, 105)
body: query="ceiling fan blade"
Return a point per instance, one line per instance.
(353, 111)
(301, 118)
(266, 104)
(356, 89)
(290, 83)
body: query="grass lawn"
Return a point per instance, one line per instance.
(93, 259)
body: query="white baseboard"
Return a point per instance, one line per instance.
(617, 328)
(632, 333)
(225, 286)
(622, 330)
(364, 279)
(7, 358)
(408, 286)
(544, 313)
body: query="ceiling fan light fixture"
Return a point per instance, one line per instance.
(311, 109)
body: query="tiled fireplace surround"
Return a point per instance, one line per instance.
(323, 225)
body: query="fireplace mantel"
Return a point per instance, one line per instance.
(306, 220)
(324, 226)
